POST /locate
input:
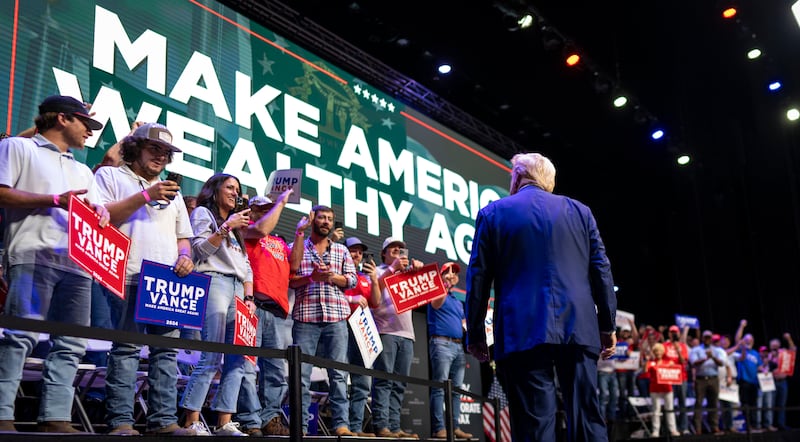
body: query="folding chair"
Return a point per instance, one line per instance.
(320, 375)
(642, 408)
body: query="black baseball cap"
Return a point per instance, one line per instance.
(68, 105)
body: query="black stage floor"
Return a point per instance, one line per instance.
(780, 436)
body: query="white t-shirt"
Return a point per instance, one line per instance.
(154, 232)
(39, 236)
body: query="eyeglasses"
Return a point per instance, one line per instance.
(156, 204)
(158, 151)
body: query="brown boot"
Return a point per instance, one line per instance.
(7, 427)
(461, 434)
(56, 427)
(275, 427)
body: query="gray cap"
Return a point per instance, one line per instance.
(157, 133)
(353, 241)
(260, 200)
(391, 240)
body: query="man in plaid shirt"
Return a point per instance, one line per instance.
(321, 310)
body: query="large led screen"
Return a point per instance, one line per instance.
(242, 100)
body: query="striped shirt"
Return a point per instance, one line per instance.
(322, 301)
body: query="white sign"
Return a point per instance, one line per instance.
(766, 382)
(796, 11)
(729, 393)
(282, 180)
(366, 334)
(624, 318)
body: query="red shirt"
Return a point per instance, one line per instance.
(362, 288)
(269, 259)
(672, 355)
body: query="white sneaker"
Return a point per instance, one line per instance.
(229, 429)
(200, 428)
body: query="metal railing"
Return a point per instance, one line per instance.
(292, 354)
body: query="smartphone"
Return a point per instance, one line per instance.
(241, 204)
(174, 176)
(370, 258)
(337, 225)
(403, 252)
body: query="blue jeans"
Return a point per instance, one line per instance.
(272, 385)
(387, 396)
(683, 417)
(32, 290)
(781, 395)
(359, 386)
(331, 340)
(626, 381)
(447, 362)
(609, 394)
(123, 362)
(766, 401)
(237, 372)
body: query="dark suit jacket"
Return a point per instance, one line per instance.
(547, 262)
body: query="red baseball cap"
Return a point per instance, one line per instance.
(447, 265)
(674, 328)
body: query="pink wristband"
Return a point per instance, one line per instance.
(146, 196)
(55, 201)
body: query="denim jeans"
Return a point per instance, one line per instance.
(359, 386)
(626, 381)
(447, 362)
(609, 394)
(387, 396)
(123, 362)
(328, 340)
(237, 372)
(272, 385)
(781, 395)
(766, 402)
(32, 290)
(682, 417)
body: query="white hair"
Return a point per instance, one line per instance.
(532, 168)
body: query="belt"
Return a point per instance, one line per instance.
(447, 338)
(705, 377)
(270, 306)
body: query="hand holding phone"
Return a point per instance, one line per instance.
(176, 178)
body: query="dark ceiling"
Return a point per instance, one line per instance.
(719, 238)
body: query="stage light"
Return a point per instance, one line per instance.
(729, 12)
(572, 59)
(620, 101)
(775, 85)
(445, 69)
(754, 53)
(616, 288)
(684, 160)
(657, 134)
(525, 21)
(793, 114)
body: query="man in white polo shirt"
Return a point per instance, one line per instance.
(37, 177)
(152, 213)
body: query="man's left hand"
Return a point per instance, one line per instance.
(609, 345)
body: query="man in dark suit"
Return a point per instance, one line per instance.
(554, 305)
